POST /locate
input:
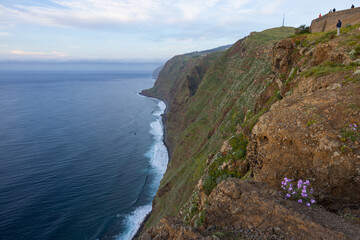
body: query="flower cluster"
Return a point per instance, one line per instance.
(354, 127)
(300, 191)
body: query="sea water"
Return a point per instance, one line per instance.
(81, 152)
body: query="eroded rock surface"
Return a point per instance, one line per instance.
(251, 210)
(301, 138)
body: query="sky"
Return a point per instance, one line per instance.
(140, 29)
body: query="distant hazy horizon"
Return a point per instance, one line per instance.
(141, 29)
(77, 65)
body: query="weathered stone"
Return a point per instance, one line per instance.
(260, 211)
(253, 211)
(308, 145)
(281, 56)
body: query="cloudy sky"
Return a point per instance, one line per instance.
(140, 29)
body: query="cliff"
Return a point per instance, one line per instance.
(240, 121)
(328, 22)
(157, 71)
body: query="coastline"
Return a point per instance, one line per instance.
(163, 120)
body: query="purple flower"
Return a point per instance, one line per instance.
(299, 184)
(312, 201)
(293, 193)
(350, 125)
(304, 195)
(311, 191)
(354, 129)
(307, 182)
(288, 195)
(282, 183)
(304, 190)
(308, 204)
(290, 189)
(299, 201)
(355, 126)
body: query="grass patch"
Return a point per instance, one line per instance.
(328, 68)
(216, 173)
(271, 35)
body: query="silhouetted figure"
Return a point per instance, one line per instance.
(338, 26)
(352, 6)
(334, 10)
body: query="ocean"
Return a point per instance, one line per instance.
(81, 152)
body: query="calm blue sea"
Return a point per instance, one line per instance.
(81, 152)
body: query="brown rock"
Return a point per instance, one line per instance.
(225, 148)
(321, 53)
(252, 208)
(282, 56)
(296, 140)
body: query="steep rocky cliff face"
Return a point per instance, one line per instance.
(307, 134)
(263, 110)
(211, 97)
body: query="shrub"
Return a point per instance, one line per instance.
(209, 184)
(302, 29)
(216, 173)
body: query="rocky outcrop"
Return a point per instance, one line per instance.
(250, 210)
(258, 212)
(304, 136)
(282, 56)
(300, 137)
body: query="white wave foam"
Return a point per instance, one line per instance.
(159, 158)
(158, 153)
(134, 221)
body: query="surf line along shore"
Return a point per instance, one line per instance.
(162, 115)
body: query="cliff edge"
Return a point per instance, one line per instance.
(270, 107)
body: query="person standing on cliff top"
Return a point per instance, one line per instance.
(334, 10)
(338, 26)
(352, 6)
(320, 15)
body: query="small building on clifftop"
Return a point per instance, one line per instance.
(329, 21)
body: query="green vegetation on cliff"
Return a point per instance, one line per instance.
(212, 97)
(266, 110)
